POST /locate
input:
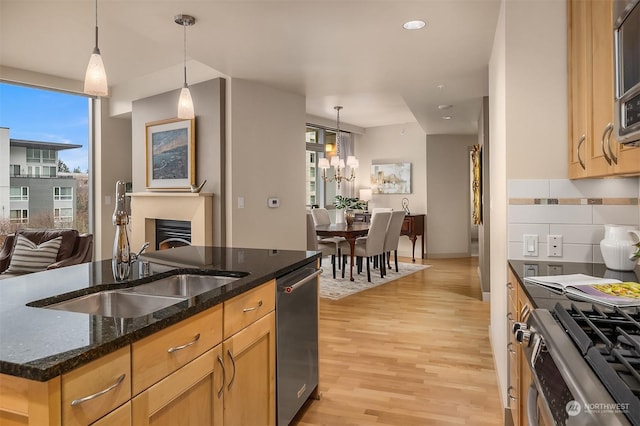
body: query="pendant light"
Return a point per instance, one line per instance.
(185, 103)
(95, 79)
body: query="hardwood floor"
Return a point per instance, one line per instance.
(411, 352)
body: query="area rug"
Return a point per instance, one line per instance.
(342, 287)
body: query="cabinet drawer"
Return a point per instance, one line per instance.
(160, 354)
(91, 391)
(248, 307)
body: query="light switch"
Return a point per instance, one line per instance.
(530, 245)
(241, 202)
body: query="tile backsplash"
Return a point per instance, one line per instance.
(576, 210)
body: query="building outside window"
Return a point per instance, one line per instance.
(19, 193)
(35, 167)
(19, 216)
(63, 216)
(63, 193)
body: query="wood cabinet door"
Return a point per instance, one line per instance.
(579, 63)
(250, 367)
(121, 416)
(192, 395)
(602, 86)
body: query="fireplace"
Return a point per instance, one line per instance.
(172, 233)
(149, 207)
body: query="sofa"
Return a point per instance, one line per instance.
(72, 248)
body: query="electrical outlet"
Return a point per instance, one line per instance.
(554, 270)
(530, 245)
(554, 245)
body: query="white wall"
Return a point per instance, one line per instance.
(394, 144)
(448, 192)
(498, 202)
(112, 162)
(528, 127)
(265, 159)
(209, 101)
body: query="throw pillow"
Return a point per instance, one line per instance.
(30, 257)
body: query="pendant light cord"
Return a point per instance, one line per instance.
(96, 49)
(184, 27)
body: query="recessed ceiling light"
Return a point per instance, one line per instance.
(445, 106)
(447, 117)
(414, 25)
(440, 86)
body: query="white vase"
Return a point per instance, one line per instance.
(339, 215)
(617, 247)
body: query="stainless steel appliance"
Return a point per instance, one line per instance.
(297, 340)
(627, 70)
(585, 366)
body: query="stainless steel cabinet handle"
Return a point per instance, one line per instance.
(580, 142)
(294, 287)
(509, 347)
(253, 308)
(97, 394)
(511, 397)
(611, 154)
(224, 376)
(233, 363)
(186, 345)
(604, 151)
(524, 312)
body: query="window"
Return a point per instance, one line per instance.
(33, 155)
(14, 170)
(62, 193)
(48, 156)
(19, 193)
(320, 143)
(63, 215)
(49, 171)
(33, 171)
(19, 216)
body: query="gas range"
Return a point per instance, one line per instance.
(585, 364)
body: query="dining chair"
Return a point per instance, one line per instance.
(327, 249)
(321, 217)
(392, 236)
(370, 246)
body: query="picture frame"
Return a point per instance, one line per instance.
(476, 184)
(170, 154)
(391, 178)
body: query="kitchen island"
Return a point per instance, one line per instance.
(46, 354)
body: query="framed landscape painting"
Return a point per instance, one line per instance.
(170, 155)
(392, 178)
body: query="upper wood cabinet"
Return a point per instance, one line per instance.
(593, 148)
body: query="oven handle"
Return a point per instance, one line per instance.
(532, 405)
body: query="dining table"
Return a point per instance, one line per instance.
(349, 232)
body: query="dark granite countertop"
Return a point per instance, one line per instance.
(544, 298)
(39, 343)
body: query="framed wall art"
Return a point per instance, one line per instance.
(391, 178)
(170, 154)
(476, 184)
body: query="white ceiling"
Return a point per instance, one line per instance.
(335, 52)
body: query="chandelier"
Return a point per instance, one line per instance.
(340, 169)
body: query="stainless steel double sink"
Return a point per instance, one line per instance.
(146, 298)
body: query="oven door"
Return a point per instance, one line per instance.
(537, 412)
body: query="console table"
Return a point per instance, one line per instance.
(412, 227)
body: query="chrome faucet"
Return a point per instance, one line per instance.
(121, 262)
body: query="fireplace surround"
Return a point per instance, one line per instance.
(146, 207)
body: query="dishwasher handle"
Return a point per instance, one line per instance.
(293, 287)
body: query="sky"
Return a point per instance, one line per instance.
(47, 116)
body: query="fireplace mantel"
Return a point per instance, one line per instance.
(146, 207)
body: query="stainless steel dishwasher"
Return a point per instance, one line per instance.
(296, 340)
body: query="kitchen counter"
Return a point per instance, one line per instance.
(38, 343)
(545, 298)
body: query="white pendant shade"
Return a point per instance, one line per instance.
(185, 104)
(95, 80)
